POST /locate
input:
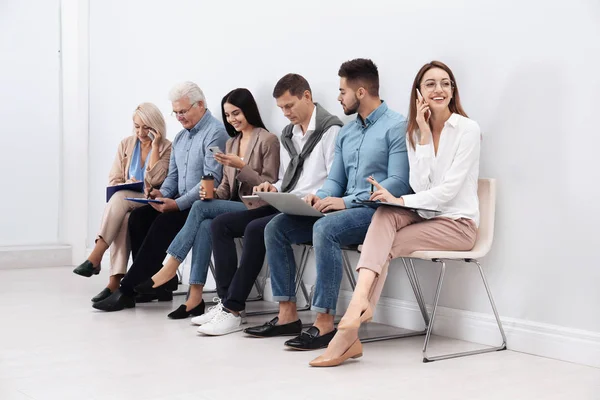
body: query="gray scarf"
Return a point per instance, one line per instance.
(323, 121)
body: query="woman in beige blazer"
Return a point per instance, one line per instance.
(252, 157)
(143, 156)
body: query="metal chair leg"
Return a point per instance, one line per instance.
(349, 270)
(418, 285)
(435, 304)
(414, 282)
(493, 304)
(300, 282)
(211, 267)
(180, 281)
(300, 285)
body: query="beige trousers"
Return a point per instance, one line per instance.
(396, 233)
(113, 229)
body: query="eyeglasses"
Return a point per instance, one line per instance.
(178, 114)
(430, 85)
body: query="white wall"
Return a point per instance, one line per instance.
(527, 71)
(29, 111)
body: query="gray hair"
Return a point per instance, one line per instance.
(187, 89)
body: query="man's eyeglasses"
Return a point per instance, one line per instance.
(178, 114)
(430, 85)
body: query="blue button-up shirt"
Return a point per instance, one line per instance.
(375, 146)
(190, 159)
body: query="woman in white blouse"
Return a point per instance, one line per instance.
(443, 153)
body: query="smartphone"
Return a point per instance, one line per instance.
(428, 111)
(151, 134)
(215, 150)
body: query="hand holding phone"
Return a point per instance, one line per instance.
(423, 111)
(215, 150)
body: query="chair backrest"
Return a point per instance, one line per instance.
(486, 191)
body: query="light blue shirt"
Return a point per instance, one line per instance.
(190, 159)
(135, 169)
(374, 147)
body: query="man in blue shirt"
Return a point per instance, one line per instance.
(372, 145)
(153, 227)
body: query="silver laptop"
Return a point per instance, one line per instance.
(291, 204)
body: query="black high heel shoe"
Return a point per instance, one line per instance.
(182, 313)
(87, 269)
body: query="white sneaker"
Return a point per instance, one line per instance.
(222, 324)
(210, 314)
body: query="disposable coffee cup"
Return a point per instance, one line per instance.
(208, 183)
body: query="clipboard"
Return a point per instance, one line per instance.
(135, 186)
(144, 201)
(377, 204)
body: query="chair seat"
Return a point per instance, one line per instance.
(447, 255)
(352, 247)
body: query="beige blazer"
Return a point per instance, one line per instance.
(153, 177)
(262, 165)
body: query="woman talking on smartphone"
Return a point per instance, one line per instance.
(142, 156)
(443, 154)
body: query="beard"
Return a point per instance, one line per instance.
(352, 108)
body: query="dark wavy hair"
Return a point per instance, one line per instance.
(243, 99)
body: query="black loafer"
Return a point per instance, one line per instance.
(271, 329)
(182, 313)
(160, 295)
(117, 301)
(146, 287)
(311, 339)
(102, 295)
(87, 269)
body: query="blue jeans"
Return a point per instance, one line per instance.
(196, 235)
(327, 235)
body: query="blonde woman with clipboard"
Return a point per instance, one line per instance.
(443, 154)
(141, 157)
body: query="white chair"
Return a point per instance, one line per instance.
(487, 208)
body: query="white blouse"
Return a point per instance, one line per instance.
(447, 182)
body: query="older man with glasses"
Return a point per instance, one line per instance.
(153, 227)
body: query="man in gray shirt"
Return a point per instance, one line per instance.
(153, 227)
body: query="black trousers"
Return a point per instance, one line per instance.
(234, 283)
(150, 234)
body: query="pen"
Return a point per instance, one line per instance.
(150, 191)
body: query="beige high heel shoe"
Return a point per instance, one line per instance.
(354, 351)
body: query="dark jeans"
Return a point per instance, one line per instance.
(150, 233)
(234, 283)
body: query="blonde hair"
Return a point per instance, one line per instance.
(151, 117)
